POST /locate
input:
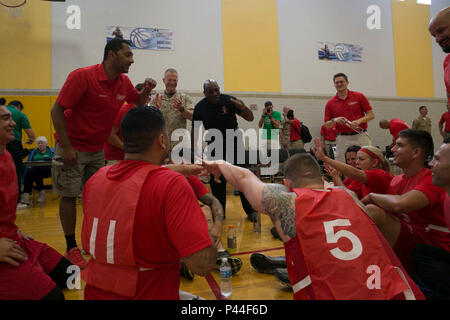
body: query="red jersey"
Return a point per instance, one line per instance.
(397, 125)
(295, 130)
(112, 152)
(329, 134)
(168, 224)
(91, 102)
(378, 181)
(356, 186)
(353, 107)
(199, 188)
(429, 222)
(342, 254)
(447, 74)
(446, 118)
(8, 197)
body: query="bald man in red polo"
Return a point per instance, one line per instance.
(394, 126)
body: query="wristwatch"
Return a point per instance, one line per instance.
(181, 109)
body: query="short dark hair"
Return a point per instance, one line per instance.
(353, 148)
(268, 103)
(419, 139)
(290, 114)
(139, 86)
(17, 104)
(140, 127)
(301, 167)
(115, 45)
(2, 101)
(421, 107)
(340, 75)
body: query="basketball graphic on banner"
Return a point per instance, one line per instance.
(341, 51)
(141, 38)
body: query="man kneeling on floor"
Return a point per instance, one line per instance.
(29, 270)
(141, 218)
(333, 249)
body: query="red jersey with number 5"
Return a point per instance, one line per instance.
(344, 256)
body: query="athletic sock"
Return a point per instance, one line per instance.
(71, 242)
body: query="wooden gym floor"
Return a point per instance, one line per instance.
(41, 221)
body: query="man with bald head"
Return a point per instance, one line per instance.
(440, 29)
(218, 111)
(394, 126)
(431, 263)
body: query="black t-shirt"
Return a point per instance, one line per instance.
(221, 116)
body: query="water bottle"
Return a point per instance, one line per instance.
(225, 278)
(257, 224)
(231, 238)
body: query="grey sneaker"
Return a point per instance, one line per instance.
(41, 197)
(282, 275)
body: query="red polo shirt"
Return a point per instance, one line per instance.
(91, 102)
(295, 130)
(447, 73)
(329, 134)
(353, 107)
(397, 125)
(446, 118)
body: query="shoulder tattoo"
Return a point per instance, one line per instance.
(279, 204)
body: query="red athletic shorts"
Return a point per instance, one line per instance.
(30, 280)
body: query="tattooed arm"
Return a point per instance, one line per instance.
(274, 200)
(279, 204)
(217, 214)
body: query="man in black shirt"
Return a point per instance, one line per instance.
(218, 111)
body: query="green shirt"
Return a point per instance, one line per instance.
(38, 156)
(268, 125)
(21, 121)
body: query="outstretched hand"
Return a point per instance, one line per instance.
(331, 171)
(158, 101)
(318, 149)
(213, 168)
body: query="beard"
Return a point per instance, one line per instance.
(445, 48)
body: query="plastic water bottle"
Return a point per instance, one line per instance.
(257, 224)
(225, 278)
(231, 238)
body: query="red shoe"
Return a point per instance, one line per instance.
(74, 256)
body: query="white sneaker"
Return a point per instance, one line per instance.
(25, 199)
(22, 206)
(41, 197)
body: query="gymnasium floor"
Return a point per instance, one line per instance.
(42, 223)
